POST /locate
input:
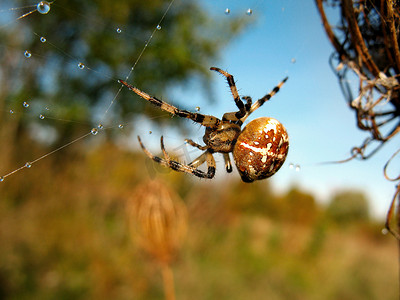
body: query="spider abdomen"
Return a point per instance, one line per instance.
(261, 149)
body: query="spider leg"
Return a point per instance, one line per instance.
(264, 99)
(249, 101)
(239, 103)
(202, 158)
(191, 143)
(198, 161)
(205, 120)
(177, 166)
(232, 116)
(228, 164)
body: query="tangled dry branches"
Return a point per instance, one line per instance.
(366, 45)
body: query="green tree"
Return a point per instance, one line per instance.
(254, 198)
(86, 32)
(347, 207)
(299, 206)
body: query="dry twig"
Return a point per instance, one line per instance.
(366, 46)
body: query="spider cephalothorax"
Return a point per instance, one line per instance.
(259, 150)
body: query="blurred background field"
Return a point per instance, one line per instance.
(66, 236)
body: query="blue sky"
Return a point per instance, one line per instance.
(311, 106)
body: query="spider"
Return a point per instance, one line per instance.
(259, 150)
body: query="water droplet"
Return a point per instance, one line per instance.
(120, 126)
(119, 30)
(28, 165)
(43, 39)
(81, 66)
(27, 54)
(41, 117)
(11, 111)
(25, 104)
(295, 167)
(227, 11)
(1, 179)
(197, 108)
(47, 108)
(158, 27)
(94, 131)
(43, 7)
(100, 126)
(249, 12)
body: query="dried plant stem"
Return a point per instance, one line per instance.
(392, 30)
(158, 220)
(357, 37)
(168, 281)
(398, 240)
(394, 210)
(328, 29)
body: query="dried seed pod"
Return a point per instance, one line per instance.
(158, 220)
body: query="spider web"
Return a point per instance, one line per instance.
(13, 15)
(102, 117)
(40, 110)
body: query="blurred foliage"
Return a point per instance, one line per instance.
(348, 207)
(301, 207)
(86, 32)
(65, 234)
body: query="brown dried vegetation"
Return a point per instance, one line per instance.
(366, 43)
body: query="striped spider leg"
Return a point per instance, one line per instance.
(205, 120)
(177, 166)
(244, 109)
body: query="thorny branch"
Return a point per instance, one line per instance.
(367, 48)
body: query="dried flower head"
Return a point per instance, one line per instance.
(158, 220)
